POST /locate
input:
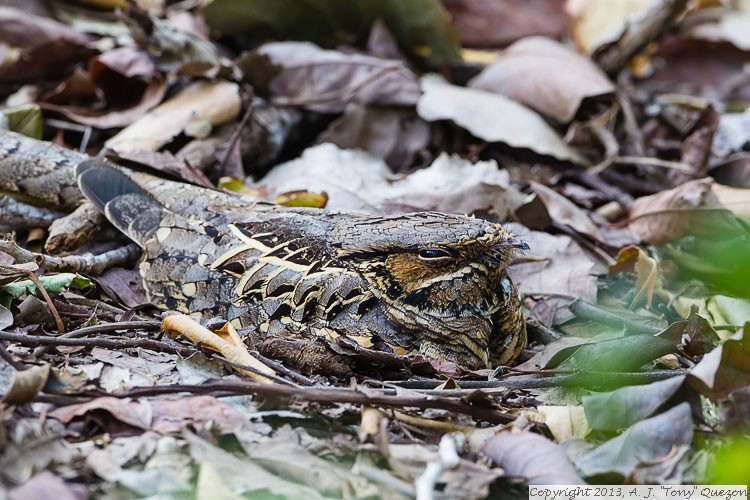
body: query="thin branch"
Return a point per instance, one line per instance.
(48, 300)
(235, 136)
(638, 160)
(104, 342)
(316, 395)
(102, 328)
(84, 264)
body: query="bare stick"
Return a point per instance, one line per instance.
(319, 395)
(85, 264)
(102, 328)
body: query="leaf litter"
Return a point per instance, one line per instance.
(626, 177)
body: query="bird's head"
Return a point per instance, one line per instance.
(443, 278)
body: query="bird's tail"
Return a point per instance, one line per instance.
(127, 205)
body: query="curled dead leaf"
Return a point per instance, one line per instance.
(26, 385)
(532, 457)
(692, 208)
(492, 117)
(546, 76)
(226, 341)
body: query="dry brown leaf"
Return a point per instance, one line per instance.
(226, 341)
(327, 80)
(372, 425)
(114, 412)
(735, 199)
(34, 47)
(565, 421)
(649, 278)
(176, 415)
(26, 385)
(46, 484)
(395, 134)
(532, 457)
(563, 211)
(195, 110)
(595, 22)
(730, 27)
(720, 79)
(356, 181)
(692, 208)
(558, 265)
(725, 369)
(492, 117)
(546, 76)
(121, 86)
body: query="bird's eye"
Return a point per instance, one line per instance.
(434, 254)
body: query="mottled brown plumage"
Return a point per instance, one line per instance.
(424, 282)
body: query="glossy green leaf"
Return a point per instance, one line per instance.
(634, 403)
(622, 354)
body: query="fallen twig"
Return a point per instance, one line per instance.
(317, 395)
(84, 264)
(105, 342)
(101, 328)
(588, 380)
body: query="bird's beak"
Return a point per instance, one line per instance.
(517, 243)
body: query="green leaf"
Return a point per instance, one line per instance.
(26, 120)
(634, 403)
(53, 283)
(622, 354)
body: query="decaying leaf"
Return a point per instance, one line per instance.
(395, 134)
(596, 23)
(26, 385)
(492, 117)
(556, 265)
(546, 76)
(649, 277)
(737, 200)
(532, 457)
(692, 208)
(730, 27)
(327, 80)
(356, 181)
(725, 369)
(565, 421)
(35, 47)
(200, 105)
(563, 211)
(648, 441)
(226, 341)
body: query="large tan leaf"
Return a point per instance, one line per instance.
(545, 75)
(491, 117)
(201, 105)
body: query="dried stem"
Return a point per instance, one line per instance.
(102, 328)
(84, 264)
(317, 395)
(104, 342)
